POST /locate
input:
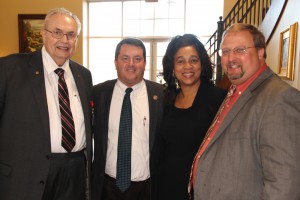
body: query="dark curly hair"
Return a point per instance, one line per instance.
(176, 43)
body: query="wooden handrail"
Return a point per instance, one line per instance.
(246, 11)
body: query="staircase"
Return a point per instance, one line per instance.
(256, 12)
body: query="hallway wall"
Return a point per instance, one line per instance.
(289, 17)
(9, 10)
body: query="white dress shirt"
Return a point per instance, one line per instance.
(140, 131)
(51, 84)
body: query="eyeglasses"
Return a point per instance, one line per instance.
(236, 51)
(58, 34)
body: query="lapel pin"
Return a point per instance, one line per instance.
(37, 72)
(155, 97)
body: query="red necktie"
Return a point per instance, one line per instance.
(67, 123)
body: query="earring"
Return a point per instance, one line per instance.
(176, 82)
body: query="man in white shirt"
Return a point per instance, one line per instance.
(45, 117)
(146, 103)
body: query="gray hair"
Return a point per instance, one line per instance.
(64, 12)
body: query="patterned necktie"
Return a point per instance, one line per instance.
(231, 91)
(67, 123)
(124, 144)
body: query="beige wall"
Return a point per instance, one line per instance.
(228, 5)
(9, 10)
(289, 17)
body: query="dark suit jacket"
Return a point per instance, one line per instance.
(102, 99)
(24, 124)
(255, 153)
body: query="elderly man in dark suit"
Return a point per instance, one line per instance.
(45, 117)
(251, 152)
(146, 110)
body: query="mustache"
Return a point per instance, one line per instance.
(233, 65)
(237, 74)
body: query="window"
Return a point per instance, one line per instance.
(153, 23)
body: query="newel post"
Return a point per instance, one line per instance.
(219, 38)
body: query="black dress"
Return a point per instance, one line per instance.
(182, 132)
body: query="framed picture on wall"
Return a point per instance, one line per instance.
(30, 26)
(287, 51)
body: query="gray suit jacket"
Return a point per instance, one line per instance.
(24, 124)
(102, 99)
(255, 154)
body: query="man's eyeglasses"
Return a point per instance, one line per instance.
(236, 51)
(58, 34)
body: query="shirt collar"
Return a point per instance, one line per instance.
(50, 65)
(135, 88)
(242, 87)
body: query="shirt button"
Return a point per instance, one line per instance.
(42, 182)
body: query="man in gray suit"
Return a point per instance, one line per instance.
(147, 107)
(251, 152)
(36, 159)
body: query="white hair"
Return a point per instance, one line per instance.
(64, 12)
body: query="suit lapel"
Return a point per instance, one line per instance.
(231, 115)
(81, 90)
(37, 82)
(105, 109)
(153, 99)
(85, 104)
(79, 84)
(239, 104)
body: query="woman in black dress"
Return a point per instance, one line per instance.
(191, 102)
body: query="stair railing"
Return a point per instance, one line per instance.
(245, 11)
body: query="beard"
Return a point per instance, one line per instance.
(234, 71)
